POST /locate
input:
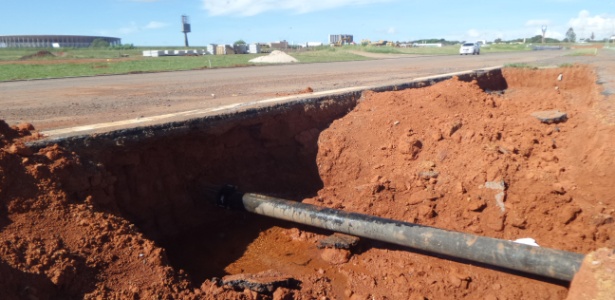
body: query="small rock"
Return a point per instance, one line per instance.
(595, 278)
(25, 127)
(410, 146)
(348, 293)
(459, 280)
(456, 126)
(495, 221)
(426, 211)
(423, 195)
(20, 149)
(335, 256)
(517, 220)
(476, 205)
(426, 165)
(459, 188)
(569, 214)
(558, 188)
(338, 241)
(602, 219)
(560, 77)
(282, 294)
(550, 116)
(428, 174)
(263, 282)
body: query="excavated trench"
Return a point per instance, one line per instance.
(160, 177)
(464, 154)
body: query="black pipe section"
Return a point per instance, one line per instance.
(549, 263)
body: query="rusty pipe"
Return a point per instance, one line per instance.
(549, 263)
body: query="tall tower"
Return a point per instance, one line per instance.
(185, 28)
(544, 31)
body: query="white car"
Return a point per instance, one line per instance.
(469, 48)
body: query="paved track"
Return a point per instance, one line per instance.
(58, 103)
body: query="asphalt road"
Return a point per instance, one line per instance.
(67, 102)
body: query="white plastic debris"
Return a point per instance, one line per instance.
(527, 241)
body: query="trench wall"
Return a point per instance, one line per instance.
(159, 177)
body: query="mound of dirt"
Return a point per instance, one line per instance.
(433, 156)
(39, 54)
(275, 57)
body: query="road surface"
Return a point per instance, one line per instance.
(68, 102)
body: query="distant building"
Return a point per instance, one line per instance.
(224, 49)
(54, 41)
(279, 45)
(254, 49)
(340, 39)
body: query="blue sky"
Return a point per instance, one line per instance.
(158, 22)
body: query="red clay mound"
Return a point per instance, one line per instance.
(440, 156)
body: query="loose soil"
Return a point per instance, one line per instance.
(128, 223)
(38, 54)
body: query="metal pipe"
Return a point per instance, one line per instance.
(550, 263)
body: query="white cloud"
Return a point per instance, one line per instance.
(255, 7)
(392, 30)
(155, 25)
(585, 24)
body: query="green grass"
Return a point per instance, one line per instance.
(126, 61)
(520, 66)
(505, 48)
(326, 54)
(121, 66)
(584, 52)
(111, 62)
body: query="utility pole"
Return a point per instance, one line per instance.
(185, 28)
(544, 31)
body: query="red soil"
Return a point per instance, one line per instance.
(375, 160)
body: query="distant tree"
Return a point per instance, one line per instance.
(571, 37)
(592, 37)
(99, 43)
(123, 46)
(239, 42)
(498, 40)
(534, 39)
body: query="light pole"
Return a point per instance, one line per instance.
(185, 28)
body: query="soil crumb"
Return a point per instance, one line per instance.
(39, 54)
